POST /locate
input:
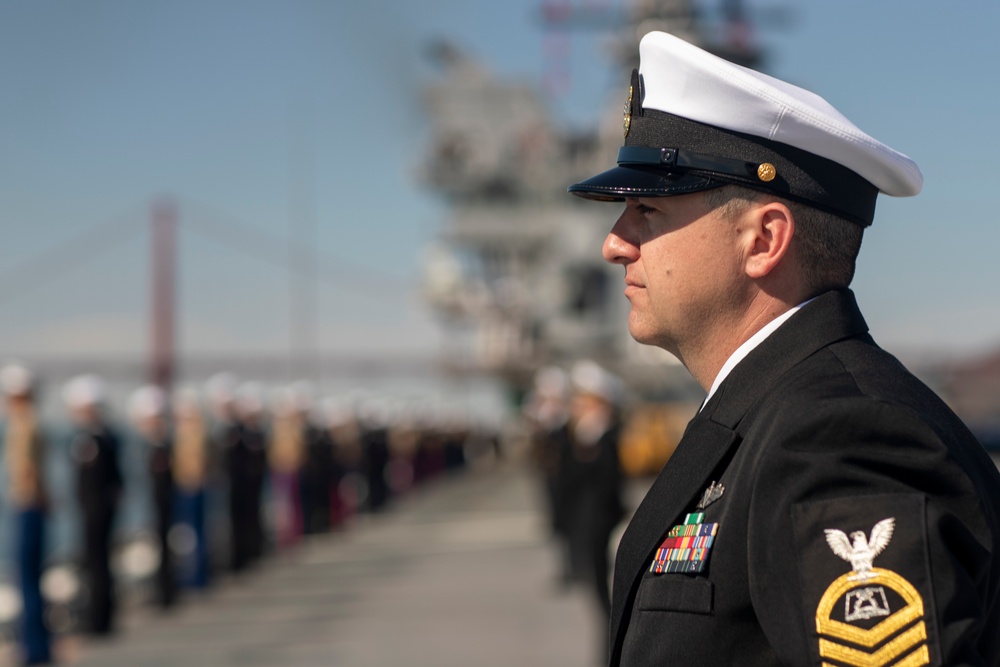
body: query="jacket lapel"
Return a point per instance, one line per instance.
(704, 445)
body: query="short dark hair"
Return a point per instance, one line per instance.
(827, 244)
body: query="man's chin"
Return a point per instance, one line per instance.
(641, 334)
(646, 335)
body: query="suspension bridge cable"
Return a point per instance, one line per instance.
(288, 254)
(78, 250)
(68, 255)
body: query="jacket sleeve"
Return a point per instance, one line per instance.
(867, 541)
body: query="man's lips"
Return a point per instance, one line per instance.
(632, 286)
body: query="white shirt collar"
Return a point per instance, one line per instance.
(747, 347)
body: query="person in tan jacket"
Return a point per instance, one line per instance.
(24, 464)
(191, 472)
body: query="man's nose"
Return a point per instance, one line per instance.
(617, 249)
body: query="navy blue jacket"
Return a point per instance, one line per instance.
(858, 523)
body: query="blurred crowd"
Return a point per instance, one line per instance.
(233, 472)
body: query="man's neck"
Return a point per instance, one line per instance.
(709, 354)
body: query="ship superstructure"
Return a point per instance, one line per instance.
(518, 263)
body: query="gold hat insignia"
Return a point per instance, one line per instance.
(627, 123)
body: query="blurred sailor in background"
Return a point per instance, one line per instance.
(341, 425)
(24, 460)
(225, 436)
(148, 412)
(95, 451)
(546, 407)
(374, 420)
(191, 480)
(238, 448)
(247, 465)
(318, 465)
(285, 455)
(593, 479)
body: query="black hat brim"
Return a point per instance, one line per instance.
(620, 182)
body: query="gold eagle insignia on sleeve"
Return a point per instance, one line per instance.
(855, 617)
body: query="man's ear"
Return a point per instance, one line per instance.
(769, 228)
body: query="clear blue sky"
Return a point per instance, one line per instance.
(105, 104)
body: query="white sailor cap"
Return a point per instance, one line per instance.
(302, 395)
(249, 398)
(281, 401)
(146, 402)
(551, 382)
(588, 377)
(221, 387)
(694, 121)
(16, 380)
(186, 401)
(84, 391)
(336, 411)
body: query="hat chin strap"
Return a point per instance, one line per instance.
(646, 156)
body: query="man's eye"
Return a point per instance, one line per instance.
(643, 209)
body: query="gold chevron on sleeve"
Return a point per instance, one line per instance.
(911, 643)
(913, 610)
(883, 656)
(918, 658)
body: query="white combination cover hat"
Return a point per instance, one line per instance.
(694, 121)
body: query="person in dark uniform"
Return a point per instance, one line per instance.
(95, 451)
(824, 507)
(546, 409)
(375, 454)
(248, 467)
(340, 425)
(457, 435)
(428, 459)
(241, 451)
(316, 479)
(226, 436)
(24, 463)
(319, 476)
(148, 411)
(592, 476)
